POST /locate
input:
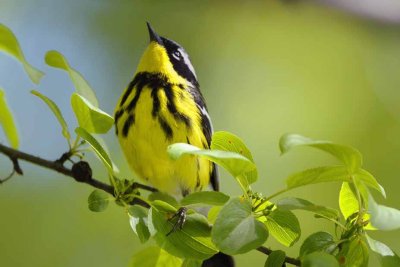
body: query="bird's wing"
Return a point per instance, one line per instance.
(207, 131)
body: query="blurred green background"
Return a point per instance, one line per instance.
(265, 68)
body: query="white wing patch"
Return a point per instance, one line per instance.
(204, 111)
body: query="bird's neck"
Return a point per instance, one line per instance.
(155, 61)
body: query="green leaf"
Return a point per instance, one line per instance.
(56, 111)
(98, 200)
(331, 174)
(235, 230)
(163, 206)
(226, 141)
(348, 155)
(275, 259)
(284, 226)
(234, 163)
(9, 44)
(362, 189)
(354, 253)
(348, 202)
(57, 60)
(103, 144)
(382, 217)
(7, 120)
(191, 263)
(191, 242)
(89, 117)
(319, 241)
(370, 181)
(97, 148)
(318, 259)
(213, 213)
(164, 197)
(154, 257)
(386, 256)
(318, 175)
(138, 221)
(205, 197)
(292, 203)
(260, 204)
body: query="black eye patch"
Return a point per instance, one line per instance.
(177, 61)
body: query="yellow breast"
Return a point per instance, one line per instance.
(151, 116)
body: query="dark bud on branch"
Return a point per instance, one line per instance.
(81, 171)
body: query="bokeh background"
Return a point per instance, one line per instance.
(326, 69)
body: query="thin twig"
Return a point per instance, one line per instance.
(144, 187)
(8, 177)
(64, 157)
(289, 260)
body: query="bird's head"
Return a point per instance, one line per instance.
(168, 58)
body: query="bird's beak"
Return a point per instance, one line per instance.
(153, 35)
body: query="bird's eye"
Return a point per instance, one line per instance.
(177, 55)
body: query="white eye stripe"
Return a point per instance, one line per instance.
(187, 61)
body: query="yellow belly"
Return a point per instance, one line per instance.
(145, 148)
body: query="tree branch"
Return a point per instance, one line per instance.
(16, 155)
(289, 260)
(80, 171)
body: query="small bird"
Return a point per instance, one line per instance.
(161, 106)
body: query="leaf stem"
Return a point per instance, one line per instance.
(76, 143)
(360, 207)
(113, 183)
(334, 221)
(69, 143)
(277, 194)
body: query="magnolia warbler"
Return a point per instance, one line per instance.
(161, 106)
